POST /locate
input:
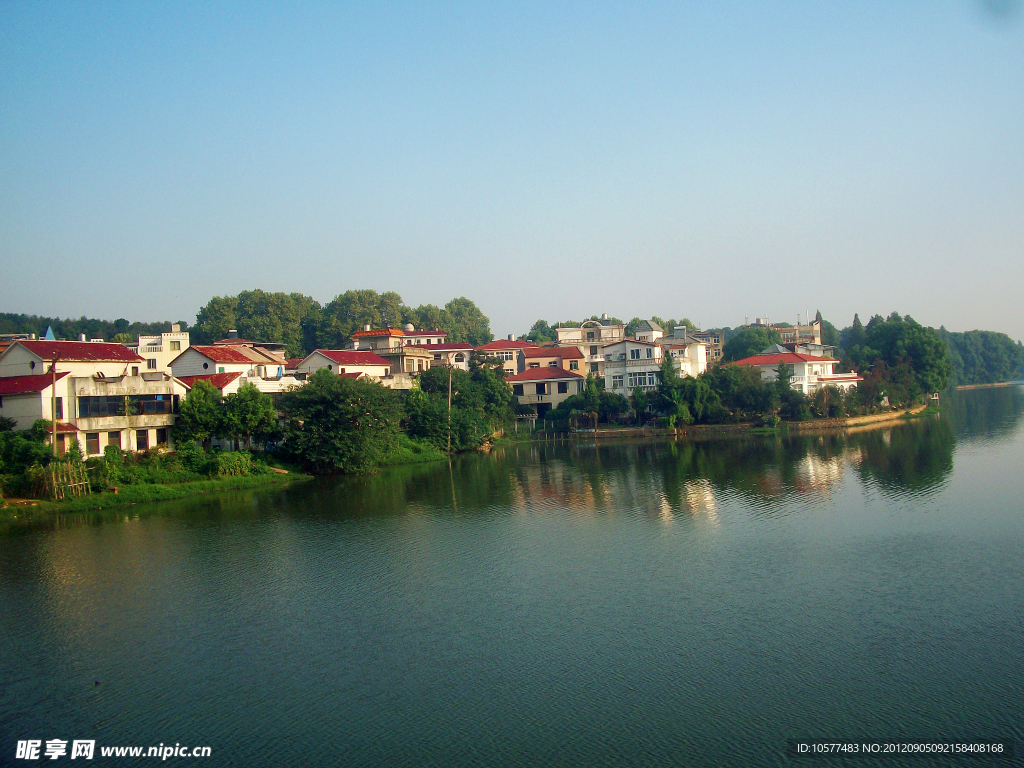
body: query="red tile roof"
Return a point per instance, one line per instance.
(21, 385)
(353, 357)
(380, 332)
(351, 375)
(219, 380)
(542, 374)
(566, 353)
(63, 428)
(292, 362)
(223, 354)
(494, 346)
(789, 358)
(80, 351)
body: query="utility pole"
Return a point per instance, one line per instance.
(53, 403)
(449, 407)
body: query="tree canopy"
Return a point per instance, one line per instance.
(748, 341)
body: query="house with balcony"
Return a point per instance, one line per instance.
(566, 358)
(809, 372)
(542, 389)
(506, 350)
(591, 337)
(159, 350)
(629, 364)
(405, 359)
(690, 353)
(101, 393)
(450, 354)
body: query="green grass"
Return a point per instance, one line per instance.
(931, 410)
(413, 452)
(145, 492)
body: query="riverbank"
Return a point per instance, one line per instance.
(964, 387)
(145, 492)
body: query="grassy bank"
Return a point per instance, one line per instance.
(145, 492)
(411, 451)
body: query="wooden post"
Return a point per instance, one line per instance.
(449, 407)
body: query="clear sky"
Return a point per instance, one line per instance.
(548, 160)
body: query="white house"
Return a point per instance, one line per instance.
(592, 336)
(102, 395)
(545, 388)
(450, 354)
(630, 364)
(809, 372)
(159, 351)
(345, 361)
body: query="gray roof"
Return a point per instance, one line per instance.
(649, 325)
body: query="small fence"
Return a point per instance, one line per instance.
(61, 480)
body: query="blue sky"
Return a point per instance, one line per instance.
(546, 160)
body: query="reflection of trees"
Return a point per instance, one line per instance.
(984, 414)
(913, 456)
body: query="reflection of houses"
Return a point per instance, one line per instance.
(506, 350)
(542, 389)
(103, 395)
(592, 337)
(566, 358)
(809, 372)
(630, 364)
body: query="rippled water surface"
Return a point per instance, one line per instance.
(652, 603)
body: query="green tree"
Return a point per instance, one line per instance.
(200, 414)
(350, 311)
(249, 413)
(541, 331)
(337, 425)
(215, 320)
(749, 341)
(465, 323)
(829, 333)
(901, 339)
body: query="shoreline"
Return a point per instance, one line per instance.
(965, 387)
(143, 493)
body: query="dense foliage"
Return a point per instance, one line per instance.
(70, 328)
(983, 357)
(336, 424)
(749, 341)
(243, 416)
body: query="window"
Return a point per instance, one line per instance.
(437, 357)
(142, 439)
(590, 335)
(650, 352)
(151, 364)
(553, 364)
(594, 367)
(114, 438)
(593, 349)
(634, 354)
(460, 358)
(175, 346)
(535, 365)
(617, 382)
(100, 407)
(161, 436)
(60, 408)
(221, 370)
(517, 390)
(206, 366)
(542, 388)
(574, 365)
(92, 443)
(563, 387)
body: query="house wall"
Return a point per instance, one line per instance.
(160, 350)
(25, 409)
(191, 362)
(18, 361)
(316, 361)
(551, 397)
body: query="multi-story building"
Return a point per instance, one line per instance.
(390, 343)
(592, 337)
(451, 354)
(542, 389)
(100, 392)
(506, 350)
(630, 364)
(567, 358)
(159, 351)
(712, 338)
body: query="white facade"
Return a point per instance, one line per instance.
(810, 372)
(630, 364)
(592, 337)
(159, 351)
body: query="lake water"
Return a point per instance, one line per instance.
(642, 603)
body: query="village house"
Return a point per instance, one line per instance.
(809, 372)
(345, 362)
(690, 353)
(403, 358)
(630, 364)
(542, 389)
(103, 394)
(567, 358)
(592, 337)
(159, 350)
(451, 354)
(230, 366)
(506, 350)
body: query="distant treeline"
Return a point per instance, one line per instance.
(293, 319)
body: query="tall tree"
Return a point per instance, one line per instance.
(249, 413)
(199, 416)
(749, 341)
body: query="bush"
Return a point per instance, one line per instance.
(230, 464)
